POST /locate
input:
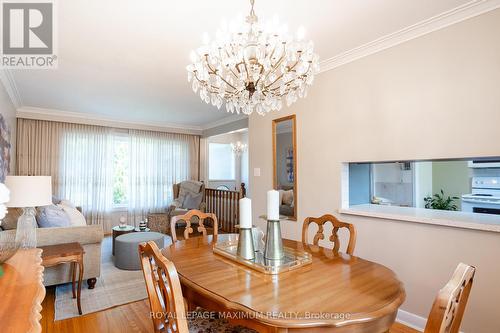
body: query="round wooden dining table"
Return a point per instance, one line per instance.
(335, 293)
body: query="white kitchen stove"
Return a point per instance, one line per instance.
(485, 196)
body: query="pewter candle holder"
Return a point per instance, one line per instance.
(245, 244)
(274, 243)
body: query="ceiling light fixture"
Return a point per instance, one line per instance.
(252, 66)
(238, 148)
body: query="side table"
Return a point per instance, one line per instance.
(117, 231)
(53, 255)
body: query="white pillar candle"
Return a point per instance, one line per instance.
(245, 213)
(273, 205)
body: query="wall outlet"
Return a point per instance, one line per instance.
(256, 172)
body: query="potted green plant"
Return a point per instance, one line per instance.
(440, 201)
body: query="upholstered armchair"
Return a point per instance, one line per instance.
(188, 195)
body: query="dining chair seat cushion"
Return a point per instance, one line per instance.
(202, 320)
(126, 253)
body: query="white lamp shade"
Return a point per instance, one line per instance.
(29, 191)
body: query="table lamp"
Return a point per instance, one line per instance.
(28, 192)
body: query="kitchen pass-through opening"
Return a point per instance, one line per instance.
(466, 185)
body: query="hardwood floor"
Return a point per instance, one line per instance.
(129, 318)
(133, 317)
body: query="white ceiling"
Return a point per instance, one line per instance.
(126, 60)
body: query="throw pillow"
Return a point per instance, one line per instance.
(188, 186)
(192, 201)
(55, 200)
(52, 216)
(67, 203)
(76, 218)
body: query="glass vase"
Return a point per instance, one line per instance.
(26, 229)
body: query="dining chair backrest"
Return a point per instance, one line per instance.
(449, 306)
(334, 237)
(164, 290)
(187, 218)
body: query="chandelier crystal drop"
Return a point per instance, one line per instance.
(251, 66)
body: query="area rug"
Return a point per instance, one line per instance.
(114, 287)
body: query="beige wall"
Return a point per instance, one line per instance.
(434, 97)
(8, 111)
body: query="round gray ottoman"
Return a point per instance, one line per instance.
(127, 248)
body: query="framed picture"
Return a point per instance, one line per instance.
(4, 149)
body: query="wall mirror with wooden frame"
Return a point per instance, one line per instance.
(285, 165)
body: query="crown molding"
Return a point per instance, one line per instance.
(10, 86)
(443, 20)
(92, 119)
(223, 121)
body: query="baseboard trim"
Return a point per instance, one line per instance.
(411, 320)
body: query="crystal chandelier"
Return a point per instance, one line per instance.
(238, 148)
(253, 66)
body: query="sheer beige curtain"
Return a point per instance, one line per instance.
(78, 157)
(157, 161)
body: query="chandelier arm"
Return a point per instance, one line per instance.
(261, 71)
(283, 55)
(229, 84)
(246, 70)
(214, 72)
(230, 69)
(272, 53)
(275, 66)
(279, 77)
(302, 77)
(273, 69)
(208, 86)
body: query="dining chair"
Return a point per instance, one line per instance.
(189, 230)
(164, 290)
(334, 237)
(168, 309)
(449, 306)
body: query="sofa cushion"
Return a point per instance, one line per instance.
(9, 222)
(193, 201)
(52, 216)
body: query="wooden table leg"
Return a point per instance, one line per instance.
(73, 274)
(80, 278)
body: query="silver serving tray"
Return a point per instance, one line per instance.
(293, 259)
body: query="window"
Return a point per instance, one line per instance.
(221, 164)
(121, 156)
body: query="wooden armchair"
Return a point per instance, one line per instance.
(180, 191)
(164, 290)
(449, 306)
(321, 221)
(189, 230)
